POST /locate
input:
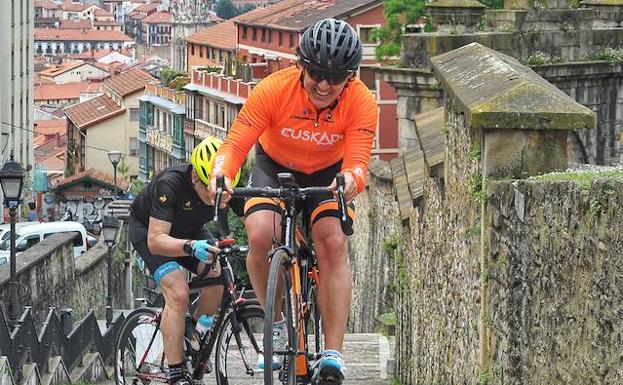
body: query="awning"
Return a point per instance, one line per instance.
(220, 95)
(164, 103)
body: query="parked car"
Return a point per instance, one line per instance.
(29, 235)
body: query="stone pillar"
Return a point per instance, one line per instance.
(539, 4)
(417, 91)
(504, 121)
(456, 16)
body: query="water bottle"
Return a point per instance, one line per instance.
(205, 323)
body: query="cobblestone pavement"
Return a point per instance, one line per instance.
(366, 356)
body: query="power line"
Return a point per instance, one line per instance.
(86, 146)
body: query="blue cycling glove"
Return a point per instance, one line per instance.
(201, 250)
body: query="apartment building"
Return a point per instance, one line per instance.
(16, 81)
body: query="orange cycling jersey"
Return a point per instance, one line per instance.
(297, 135)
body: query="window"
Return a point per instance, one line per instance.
(263, 35)
(280, 39)
(200, 51)
(367, 77)
(133, 146)
(254, 35)
(291, 40)
(134, 115)
(270, 36)
(192, 49)
(244, 32)
(365, 34)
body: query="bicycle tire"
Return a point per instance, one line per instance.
(287, 374)
(139, 352)
(229, 367)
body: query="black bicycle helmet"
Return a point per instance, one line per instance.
(331, 45)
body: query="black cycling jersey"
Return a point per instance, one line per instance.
(171, 197)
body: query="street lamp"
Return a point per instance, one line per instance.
(114, 156)
(110, 225)
(11, 178)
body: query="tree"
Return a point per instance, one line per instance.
(225, 9)
(246, 8)
(398, 13)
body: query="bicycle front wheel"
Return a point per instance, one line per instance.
(139, 350)
(285, 373)
(239, 345)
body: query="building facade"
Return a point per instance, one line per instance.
(189, 17)
(161, 129)
(67, 41)
(16, 81)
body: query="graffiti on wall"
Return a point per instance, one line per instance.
(87, 210)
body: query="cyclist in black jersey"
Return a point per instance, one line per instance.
(166, 227)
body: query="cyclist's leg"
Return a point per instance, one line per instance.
(210, 297)
(174, 288)
(262, 223)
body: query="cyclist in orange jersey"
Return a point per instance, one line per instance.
(313, 120)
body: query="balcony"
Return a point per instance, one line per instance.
(159, 139)
(204, 129)
(178, 97)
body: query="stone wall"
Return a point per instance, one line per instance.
(556, 281)
(376, 230)
(504, 281)
(49, 276)
(569, 47)
(438, 273)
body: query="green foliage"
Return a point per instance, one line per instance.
(596, 208)
(540, 58)
(583, 178)
(396, 381)
(246, 8)
(225, 9)
(167, 75)
(398, 13)
(476, 187)
(211, 69)
(484, 377)
(611, 55)
(496, 4)
(391, 244)
(137, 186)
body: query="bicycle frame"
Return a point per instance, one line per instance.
(231, 301)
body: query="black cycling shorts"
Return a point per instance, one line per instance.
(138, 238)
(264, 174)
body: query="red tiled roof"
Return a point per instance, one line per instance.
(50, 127)
(222, 35)
(64, 91)
(92, 111)
(158, 18)
(98, 54)
(50, 153)
(74, 7)
(128, 82)
(297, 15)
(105, 22)
(95, 174)
(75, 24)
(46, 34)
(102, 12)
(146, 7)
(47, 4)
(55, 71)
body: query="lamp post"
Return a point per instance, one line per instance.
(11, 178)
(110, 225)
(114, 157)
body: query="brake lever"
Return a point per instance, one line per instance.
(220, 182)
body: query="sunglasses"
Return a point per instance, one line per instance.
(332, 78)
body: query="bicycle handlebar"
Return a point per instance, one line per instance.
(289, 191)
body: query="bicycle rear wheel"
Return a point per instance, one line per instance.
(287, 373)
(238, 347)
(139, 351)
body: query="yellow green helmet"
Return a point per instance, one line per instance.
(202, 159)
